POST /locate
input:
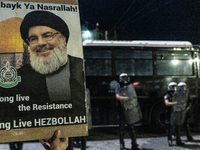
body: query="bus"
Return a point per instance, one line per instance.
(151, 65)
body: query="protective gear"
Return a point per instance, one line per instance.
(172, 86)
(182, 86)
(181, 97)
(179, 110)
(124, 79)
(131, 108)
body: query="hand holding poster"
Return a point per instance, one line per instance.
(42, 73)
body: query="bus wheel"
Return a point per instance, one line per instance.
(157, 118)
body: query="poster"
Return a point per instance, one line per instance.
(42, 83)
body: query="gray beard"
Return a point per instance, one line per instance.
(50, 65)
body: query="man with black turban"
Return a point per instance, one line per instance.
(52, 71)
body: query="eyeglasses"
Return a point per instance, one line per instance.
(48, 36)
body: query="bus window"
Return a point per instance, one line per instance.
(135, 63)
(98, 67)
(93, 53)
(133, 54)
(98, 63)
(174, 63)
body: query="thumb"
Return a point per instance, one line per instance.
(56, 135)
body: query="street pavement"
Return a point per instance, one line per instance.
(157, 143)
(107, 139)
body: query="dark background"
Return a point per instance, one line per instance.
(144, 19)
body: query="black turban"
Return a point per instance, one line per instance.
(43, 18)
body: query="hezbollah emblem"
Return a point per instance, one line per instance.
(8, 77)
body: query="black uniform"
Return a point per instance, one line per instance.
(168, 110)
(186, 123)
(122, 121)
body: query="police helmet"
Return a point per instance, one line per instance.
(124, 79)
(182, 86)
(172, 86)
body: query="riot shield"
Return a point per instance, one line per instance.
(131, 108)
(179, 110)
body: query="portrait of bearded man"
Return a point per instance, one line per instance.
(52, 74)
(51, 90)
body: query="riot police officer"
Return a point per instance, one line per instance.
(172, 86)
(183, 87)
(172, 113)
(128, 109)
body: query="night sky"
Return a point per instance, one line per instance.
(145, 19)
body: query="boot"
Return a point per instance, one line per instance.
(135, 146)
(12, 146)
(169, 140)
(133, 138)
(19, 145)
(83, 148)
(71, 144)
(189, 137)
(83, 143)
(179, 143)
(169, 136)
(121, 138)
(178, 139)
(122, 146)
